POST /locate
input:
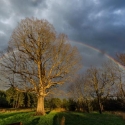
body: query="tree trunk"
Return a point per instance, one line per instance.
(100, 106)
(88, 107)
(40, 106)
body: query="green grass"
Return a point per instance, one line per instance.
(27, 118)
(53, 118)
(73, 118)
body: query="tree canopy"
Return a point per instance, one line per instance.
(39, 59)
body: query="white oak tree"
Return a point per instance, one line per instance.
(39, 59)
(95, 83)
(101, 82)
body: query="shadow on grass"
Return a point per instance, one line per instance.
(70, 118)
(74, 118)
(48, 112)
(56, 120)
(35, 121)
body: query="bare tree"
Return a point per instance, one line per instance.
(121, 74)
(101, 82)
(39, 59)
(120, 86)
(95, 83)
(79, 91)
(121, 58)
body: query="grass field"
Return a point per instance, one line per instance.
(53, 118)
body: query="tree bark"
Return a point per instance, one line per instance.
(40, 106)
(100, 106)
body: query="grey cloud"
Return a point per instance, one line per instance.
(99, 23)
(115, 4)
(27, 7)
(95, 24)
(5, 10)
(12, 11)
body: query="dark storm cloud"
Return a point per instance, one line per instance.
(99, 23)
(116, 4)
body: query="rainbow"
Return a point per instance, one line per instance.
(99, 51)
(83, 44)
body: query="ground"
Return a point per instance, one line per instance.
(54, 118)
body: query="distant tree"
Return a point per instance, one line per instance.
(55, 103)
(79, 92)
(33, 100)
(100, 82)
(65, 104)
(72, 106)
(20, 100)
(14, 98)
(27, 100)
(114, 104)
(95, 83)
(121, 75)
(3, 101)
(11, 96)
(39, 59)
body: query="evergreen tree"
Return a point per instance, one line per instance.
(3, 101)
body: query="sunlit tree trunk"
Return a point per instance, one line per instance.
(40, 106)
(40, 103)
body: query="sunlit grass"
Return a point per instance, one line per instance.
(27, 118)
(54, 118)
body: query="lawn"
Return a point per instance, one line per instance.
(73, 118)
(54, 118)
(27, 118)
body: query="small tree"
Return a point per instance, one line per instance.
(55, 103)
(14, 97)
(79, 91)
(95, 83)
(65, 104)
(121, 75)
(39, 59)
(101, 82)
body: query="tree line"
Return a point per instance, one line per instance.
(12, 98)
(104, 86)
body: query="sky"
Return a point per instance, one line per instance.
(96, 23)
